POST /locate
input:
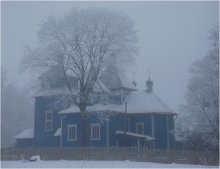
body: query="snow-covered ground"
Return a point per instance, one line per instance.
(93, 164)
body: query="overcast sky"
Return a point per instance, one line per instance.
(172, 35)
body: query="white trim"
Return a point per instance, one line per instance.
(168, 135)
(139, 123)
(149, 138)
(46, 120)
(92, 125)
(152, 129)
(75, 128)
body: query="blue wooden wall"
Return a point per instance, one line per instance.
(160, 131)
(42, 137)
(117, 122)
(69, 120)
(172, 133)
(24, 142)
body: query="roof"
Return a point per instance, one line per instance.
(137, 102)
(149, 138)
(54, 71)
(100, 87)
(114, 78)
(52, 92)
(71, 109)
(57, 133)
(179, 138)
(94, 108)
(105, 107)
(125, 82)
(144, 102)
(26, 134)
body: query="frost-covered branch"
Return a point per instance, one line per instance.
(83, 42)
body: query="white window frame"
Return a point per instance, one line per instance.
(68, 136)
(48, 120)
(137, 124)
(93, 125)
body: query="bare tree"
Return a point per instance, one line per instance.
(83, 42)
(202, 97)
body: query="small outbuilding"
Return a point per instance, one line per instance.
(25, 138)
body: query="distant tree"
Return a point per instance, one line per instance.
(83, 42)
(16, 112)
(201, 111)
(3, 78)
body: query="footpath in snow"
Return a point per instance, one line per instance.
(94, 164)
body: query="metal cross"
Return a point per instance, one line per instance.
(149, 73)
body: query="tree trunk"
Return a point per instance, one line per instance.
(84, 122)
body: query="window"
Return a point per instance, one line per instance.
(95, 131)
(72, 132)
(140, 128)
(48, 120)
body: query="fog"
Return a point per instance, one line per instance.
(172, 35)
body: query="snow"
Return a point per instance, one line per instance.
(95, 108)
(94, 164)
(114, 78)
(137, 102)
(102, 107)
(58, 132)
(100, 87)
(71, 109)
(125, 82)
(26, 134)
(52, 92)
(35, 158)
(178, 138)
(143, 102)
(135, 135)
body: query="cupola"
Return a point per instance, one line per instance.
(149, 85)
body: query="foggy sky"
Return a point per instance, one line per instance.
(171, 36)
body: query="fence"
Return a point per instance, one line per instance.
(113, 153)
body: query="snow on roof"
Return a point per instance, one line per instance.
(143, 102)
(57, 133)
(56, 71)
(125, 82)
(137, 102)
(114, 78)
(104, 87)
(100, 87)
(105, 107)
(71, 109)
(26, 134)
(149, 138)
(179, 138)
(94, 108)
(52, 92)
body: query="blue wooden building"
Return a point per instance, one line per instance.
(117, 115)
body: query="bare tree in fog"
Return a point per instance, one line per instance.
(202, 97)
(82, 43)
